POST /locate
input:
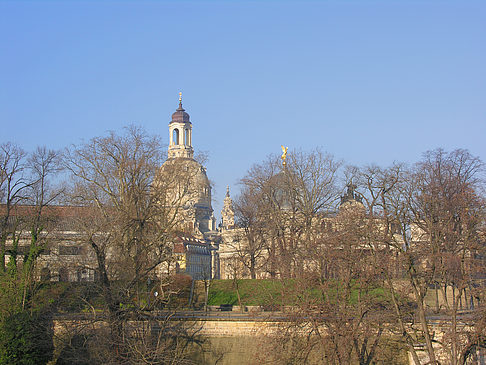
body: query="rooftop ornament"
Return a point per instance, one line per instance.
(284, 155)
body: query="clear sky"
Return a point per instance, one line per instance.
(368, 81)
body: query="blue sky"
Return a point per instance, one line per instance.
(368, 81)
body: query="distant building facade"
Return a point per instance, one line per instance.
(193, 257)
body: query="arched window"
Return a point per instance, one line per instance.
(63, 274)
(175, 136)
(85, 275)
(187, 140)
(45, 274)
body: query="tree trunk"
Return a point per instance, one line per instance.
(423, 322)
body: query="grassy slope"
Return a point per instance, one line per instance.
(252, 292)
(269, 292)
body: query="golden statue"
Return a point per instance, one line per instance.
(284, 154)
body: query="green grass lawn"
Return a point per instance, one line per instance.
(252, 292)
(275, 293)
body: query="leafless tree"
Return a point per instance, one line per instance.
(291, 197)
(12, 184)
(132, 209)
(431, 216)
(339, 314)
(385, 200)
(447, 210)
(250, 242)
(28, 180)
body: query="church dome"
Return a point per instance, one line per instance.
(184, 185)
(180, 116)
(194, 175)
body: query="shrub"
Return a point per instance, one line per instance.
(25, 339)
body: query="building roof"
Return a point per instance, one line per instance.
(51, 211)
(180, 116)
(186, 239)
(186, 243)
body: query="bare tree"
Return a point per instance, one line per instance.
(26, 228)
(339, 314)
(132, 209)
(250, 241)
(291, 197)
(430, 216)
(42, 191)
(28, 181)
(385, 198)
(12, 184)
(448, 211)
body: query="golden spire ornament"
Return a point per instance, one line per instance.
(180, 97)
(284, 155)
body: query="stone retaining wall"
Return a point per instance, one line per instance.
(210, 328)
(235, 328)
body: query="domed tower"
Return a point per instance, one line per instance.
(192, 190)
(180, 134)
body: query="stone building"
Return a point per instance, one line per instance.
(193, 257)
(62, 258)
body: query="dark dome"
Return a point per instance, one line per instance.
(180, 116)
